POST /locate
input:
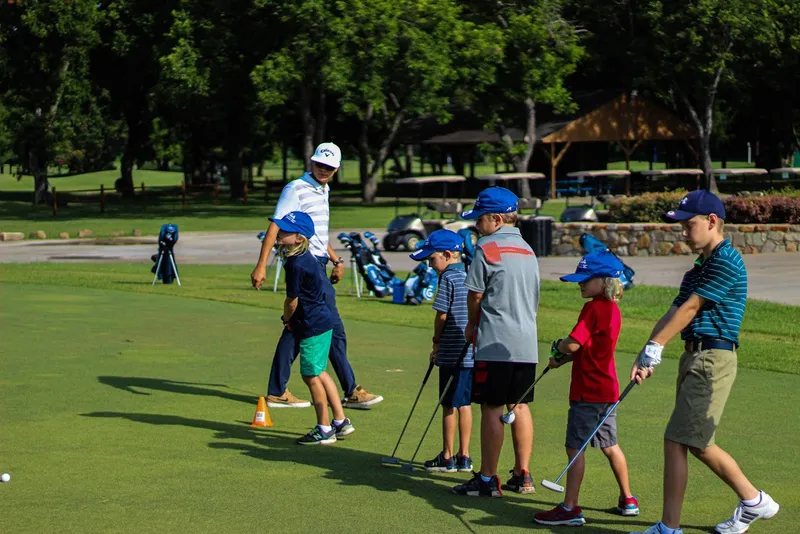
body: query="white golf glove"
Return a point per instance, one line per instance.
(650, 355)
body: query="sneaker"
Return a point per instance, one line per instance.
(476, 487)
(317, 436)
(657, 529)
(344, 429)
(361, 398)
(464, 464)
(439, 463)
(522, 483)
(561, 516)
(287, 400)
(744, 515)
(628, 506)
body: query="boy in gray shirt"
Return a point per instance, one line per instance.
(503, 284)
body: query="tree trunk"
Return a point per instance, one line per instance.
(521, 162)
(368, 189)
(39, 172)
(371, 186)
(409, 160)
(235, 172)
(309, 127)
(705, 162)
(322, 121)
(125, 185)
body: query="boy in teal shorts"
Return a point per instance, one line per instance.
(443, 250)
(307, 315)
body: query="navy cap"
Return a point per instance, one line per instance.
(296, 222)
(439, 241)
(492, 200)
(700, 202)
(600, 264)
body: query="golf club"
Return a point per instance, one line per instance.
(391, 460)
(554, 486)
(410, 465)
(508, 417)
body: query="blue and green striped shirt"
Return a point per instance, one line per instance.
(722, 281)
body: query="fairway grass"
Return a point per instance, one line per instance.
(129, 411)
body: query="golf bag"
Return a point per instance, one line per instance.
(468, 252)
(592, 244)
(421, 284)
(376, 272)
(165, 268)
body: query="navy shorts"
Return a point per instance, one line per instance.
(460, 392)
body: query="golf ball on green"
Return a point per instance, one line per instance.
(5, 477)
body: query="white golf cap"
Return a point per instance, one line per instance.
(328, 154)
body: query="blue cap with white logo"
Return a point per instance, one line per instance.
(439, 241)
(492, 200)
(296, 222)
(600, 264)
(700, 202)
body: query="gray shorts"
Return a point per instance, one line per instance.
(583, 418)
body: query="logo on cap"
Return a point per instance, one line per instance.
(326, 152)
(684, 200)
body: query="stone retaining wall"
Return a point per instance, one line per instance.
(665, 239)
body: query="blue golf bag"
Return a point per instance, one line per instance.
(421, 284)
(592, 244)
(373, 268)
(165, 268)
(468, 252)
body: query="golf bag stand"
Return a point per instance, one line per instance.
(278, 262)
(165, 268)
(356, 277)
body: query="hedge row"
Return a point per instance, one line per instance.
(649, 207)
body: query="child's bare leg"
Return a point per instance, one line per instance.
(319, 398)
(726, 468)
(616, 458)
(676, 476)
(333, 396)
(574, 478)
(448, 430)
(492, 434)
(522, 436)
(464, 429)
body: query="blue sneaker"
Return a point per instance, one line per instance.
(657, 529)
(464, 464)
(344, 429)
(440, 464)
(317, 436)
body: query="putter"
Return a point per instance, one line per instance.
(391, 460)
(410, 465)
(555, 486)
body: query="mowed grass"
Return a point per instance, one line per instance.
(129, 412)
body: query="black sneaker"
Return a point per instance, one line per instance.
(522, 483)
(476, 487)
(440, 464)
(318, 437)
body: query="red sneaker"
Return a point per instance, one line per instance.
(561, 516)
(628, 506)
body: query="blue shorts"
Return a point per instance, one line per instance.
(460, 392)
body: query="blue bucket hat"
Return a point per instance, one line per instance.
(700, 202)
(439, 241)
(296, 222)
(492, 200)
(600, 264)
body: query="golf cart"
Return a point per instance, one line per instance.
(408, 230)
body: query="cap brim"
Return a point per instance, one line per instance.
(471, 214)
(421, 254)
(286, 226)
(576, 277)
(678, 215)
(324, 161)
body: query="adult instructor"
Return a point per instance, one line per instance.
(309, 194)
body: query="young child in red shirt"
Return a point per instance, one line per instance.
(594, 385)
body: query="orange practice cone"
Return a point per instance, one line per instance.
(262, 418)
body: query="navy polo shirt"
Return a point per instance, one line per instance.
(305, 281)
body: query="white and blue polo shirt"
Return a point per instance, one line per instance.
(307, 195)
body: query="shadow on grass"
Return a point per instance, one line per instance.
(356, 468)
(132, 384)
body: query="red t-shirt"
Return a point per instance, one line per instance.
(594, 374)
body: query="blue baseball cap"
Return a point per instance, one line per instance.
(700, 202)
(492, 200)
(296, 222)
(439, 241)
(600, 264)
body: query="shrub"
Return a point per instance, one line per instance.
(767, 209)
(648, 207)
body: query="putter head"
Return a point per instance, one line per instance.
(508, 418)
(390, 461)
(552, 486)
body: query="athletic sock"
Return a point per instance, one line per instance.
(338, 422)
(564, 506)
(326, 429)
(753, 502)
(485, 478)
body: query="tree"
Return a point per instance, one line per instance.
(44, 83)
(693, 46)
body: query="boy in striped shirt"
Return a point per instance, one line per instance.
(443, 250)
(708, 313)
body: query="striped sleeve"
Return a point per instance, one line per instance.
(288, 202)
(444, 295)
(718, 278)
(685, 290)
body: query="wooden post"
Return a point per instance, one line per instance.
(102, 198)
(144, 200)
(216, 193)
(244, 193)
(183, 194)
(55, 203)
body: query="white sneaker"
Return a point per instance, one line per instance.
(744, 515)
(656, 529)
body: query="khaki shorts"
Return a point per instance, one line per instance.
(705, 379)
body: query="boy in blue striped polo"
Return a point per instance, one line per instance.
(443, 250)
(708, 313)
